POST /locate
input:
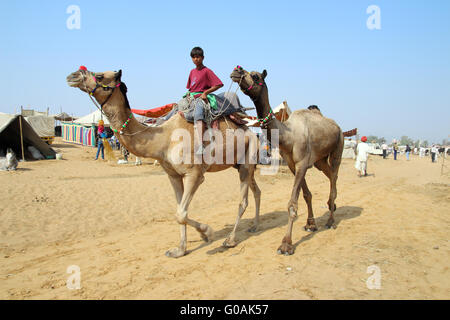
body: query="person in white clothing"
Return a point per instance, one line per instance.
(362, 151)
(384, 147)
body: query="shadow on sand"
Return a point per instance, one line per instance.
(277, 219)
(341, 213)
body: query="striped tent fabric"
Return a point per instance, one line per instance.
(75, 133)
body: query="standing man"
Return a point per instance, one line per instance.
(361, 159)
(433, 153)
(407, 151)
(395, 148)
(384, 147)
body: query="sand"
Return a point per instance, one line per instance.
(115, 222)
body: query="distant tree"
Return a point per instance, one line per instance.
(417, 143)
(444, 142)
(404, 140)
(425, 144)
(375, 139)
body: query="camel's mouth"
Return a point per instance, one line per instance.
(236, 77)
(74, 79)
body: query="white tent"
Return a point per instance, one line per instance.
(349, 149)
(282, 113)
(92, 119)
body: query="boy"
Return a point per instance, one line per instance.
(201, 83)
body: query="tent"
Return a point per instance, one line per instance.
(282, 113)
(43, 125)
(82, 130)
(349, 149)
(78, 133)
(92, 119)
(10, 137)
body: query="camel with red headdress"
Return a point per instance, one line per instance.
(163, 144)
(307, 138)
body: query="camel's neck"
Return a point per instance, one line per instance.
(140, 140)
(263, 109)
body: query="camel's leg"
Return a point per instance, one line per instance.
(177, 184)
(257, 195)
(244, 178)
(310, 222)
(331, 174)
(286, 244)
(191, 184)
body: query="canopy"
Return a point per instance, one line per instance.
(92, 119)
(63, 117)
(10, 137)
(155, 112)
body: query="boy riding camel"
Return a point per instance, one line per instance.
(201, 83)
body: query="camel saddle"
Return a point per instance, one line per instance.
(235, 117)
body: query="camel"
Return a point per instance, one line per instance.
(307, 138)
(157, 143)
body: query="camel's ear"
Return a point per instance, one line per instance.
(264, 74)
(119, 75)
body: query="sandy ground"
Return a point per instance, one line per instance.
(115, 222)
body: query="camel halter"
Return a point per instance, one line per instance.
(263, 122)
(105, 88)
(100, 107)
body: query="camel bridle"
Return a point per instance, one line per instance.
(100, 85)
(264, 122)
(100, 107)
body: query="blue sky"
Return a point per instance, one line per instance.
(389, 82)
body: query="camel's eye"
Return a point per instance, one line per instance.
(99, 77)
(255, 77)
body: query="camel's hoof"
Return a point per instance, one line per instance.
(229, 244)
(175, 253)
(310, 228)
(286, 249)
(330, 224)
(208, 234)
(253, 229)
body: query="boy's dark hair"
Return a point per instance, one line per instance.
(197, 51)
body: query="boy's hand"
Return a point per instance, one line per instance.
(204, 97)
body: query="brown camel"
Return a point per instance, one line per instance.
(159, 143)
(307, 138)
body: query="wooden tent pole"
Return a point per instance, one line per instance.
(21, 137)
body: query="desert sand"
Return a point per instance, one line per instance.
(115, 222)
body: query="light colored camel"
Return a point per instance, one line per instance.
(307, 138)
(158, 143)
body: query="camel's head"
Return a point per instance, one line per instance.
(89, 82)
(251, 83)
